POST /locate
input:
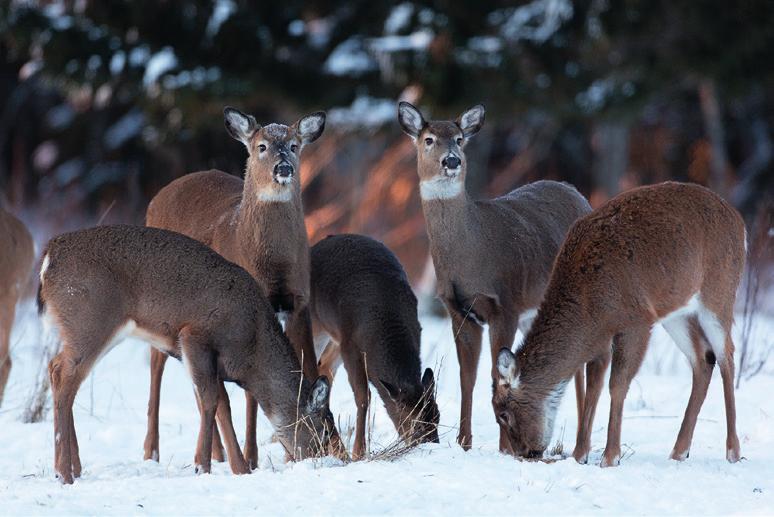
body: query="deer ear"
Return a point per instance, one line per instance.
(471, 121)
(392, 391)
(318, 397)
(240, 126)
(428, 381)
(410, 119)
(506, 367)
(310, 127)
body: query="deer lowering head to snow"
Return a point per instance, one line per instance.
(493, 257)
(100, 284)
(15, 264)
(257, 223)
(671, 253)
(361, 299)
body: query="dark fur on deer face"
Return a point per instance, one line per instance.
(274, 149)
(415, 412)
(440, 156)
(528, 420)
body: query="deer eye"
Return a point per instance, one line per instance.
(502, 418)
(459, 141)
(293, 148)
(429, 141)
(262, 148)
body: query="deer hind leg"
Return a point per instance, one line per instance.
(467, 338)
(717, 329)
(251, 431)
(628, 352)
(687, 334)
(595, 379)
(151, 446)
(223, 416)
(358, 380)
(580, 393)
(502, 332)
(7, 310)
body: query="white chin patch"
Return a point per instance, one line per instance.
(284, 180)
(275, 194)
(440, 187)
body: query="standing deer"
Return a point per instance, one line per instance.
(671, 253)
(361, 299)
(15, 264)
(493, 257)
(101, 284)
(257, 223)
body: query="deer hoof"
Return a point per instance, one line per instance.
(679, 456)
(610, 462)
(732, 455)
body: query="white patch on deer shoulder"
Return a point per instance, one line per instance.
(550, 406)
(44, 268)
(440, 187)
(276, 193)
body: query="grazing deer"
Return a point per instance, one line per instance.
(671, 253)
(257, 223)
(361, 299)
(493, 257)
(15, 264)
(101, 284)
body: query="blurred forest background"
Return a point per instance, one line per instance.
(104, 102)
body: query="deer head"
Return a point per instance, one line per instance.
(274, 150)
(440, 149)
(528, 419)
(416, 412)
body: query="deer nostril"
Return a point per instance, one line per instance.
(283, 169)
(451, 162)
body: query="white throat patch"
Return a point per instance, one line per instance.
(275, 194)
(440, 187)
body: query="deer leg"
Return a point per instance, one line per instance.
(218, 454)
(726, 364)
(502, 332)
(580, 393)
(628, 352)
(251, 431)
(595, 379)
(467, 338)
(223, 416)
(299, 331)
(330, 360)
(686, 333)
(157, 361)
(66, 375)
(7, 311)
(358, 380)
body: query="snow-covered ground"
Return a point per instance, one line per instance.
(437, 479)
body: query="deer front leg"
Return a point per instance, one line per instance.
(358, 380)
(628, 352)
(223, 416)
(251, 431)
(201, 366)
(299, 331)
(502, 331)
(467, 338)
(151, 446)
(595, 379)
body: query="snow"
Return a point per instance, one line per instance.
(436, 478)
(536, 21)
(364, 112)
(159, 63)
(399, 18)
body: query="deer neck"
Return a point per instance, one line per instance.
(452, 227)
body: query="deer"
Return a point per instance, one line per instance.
(364, 309)
(492, 257)
(257, 223)
(670, 253)
(16, 261)
(102, 284)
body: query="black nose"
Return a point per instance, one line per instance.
(283, 170)
(451, 162)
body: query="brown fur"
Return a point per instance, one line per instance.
(493, 257)
(624, 267)
(267, 238)
(192, 304)
(16, 258)
(362, 299)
